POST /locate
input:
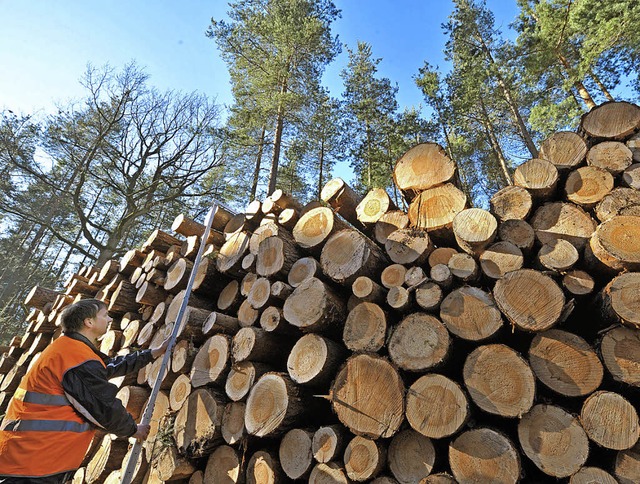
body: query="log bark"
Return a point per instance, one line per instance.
(474, 229)
(369, 375)
(123, 299)
(565, 149)
(314, 306)
(364, 458)
(242, 377)
(620, 348)
(434, 209)
(256, 344)
(529, 299)
(388, 223)
(499, 380)
(500, 258)
(374, 205)
(470, 313)
(511, 203)
(224, 465)
(232, 427)
(274, 405)
(436, 406)
(328, 443)
(484, 455)
(411, 456)
(197, 426)
(295, 454)
(212, 362)
(342, 198)
(611, 156)
(409, 246)
(314, 360)
(588, 185)
(610, 420)
(566, 363)
(539, 177)
(365, 328)
(422, 167)
(554, 440)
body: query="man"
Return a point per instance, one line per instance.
(52, 416)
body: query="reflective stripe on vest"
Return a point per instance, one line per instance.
(44, 426)
(40, 398)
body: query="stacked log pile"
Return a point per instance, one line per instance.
(350, 341)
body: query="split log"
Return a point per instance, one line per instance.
(328, 443)
(428, 296)
(331, 472)
(230, 257)
(588, 185)
(314, 360)
(424, 166)
(365, 328)
(393, 276)
(179, 393)
(409, 246)
(106, 459)
(511, 203)
(411, 456)
(303, 269)
(559, 255)
(434, 209)
(554, 440)
(539, 177)
(256, 344)
(376, 203)
(518, 233)
(470, 313)
(242, 377)
(274, 405)
(560, 220)
(631, 176)
(365, 289)
(464, 267)
(224, 465)
(620, 350)
(263, 468)
(436, 406)
(619, 300)
(474, 229)
(364, 458)
(295, 454)
(276, 256)
(592, 475)
(611, 156)
(388, 223)
(369, 375)
(500, 258)
(616, 243)
(229, 297)
(499, 380)
(565, 149)
(565, 363)
(530, 300)
(348, 255)
(212, 362)
(197, 426)
(627, 465)
(617, 202)
(610, 420)
(484, 455)
(578, 283)
(342, 198)
(232, 427)
(315, 227)
(314, 306)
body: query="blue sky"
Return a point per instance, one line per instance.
(45, 45)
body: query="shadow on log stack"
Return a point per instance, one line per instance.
(332, 343)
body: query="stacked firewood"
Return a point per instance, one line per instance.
(351, 341)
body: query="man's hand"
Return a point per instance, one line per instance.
(160, 350)
(142, 433)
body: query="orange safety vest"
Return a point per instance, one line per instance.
(42, 434)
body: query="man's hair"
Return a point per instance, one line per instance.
(73, 316)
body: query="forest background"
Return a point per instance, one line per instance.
(90, 178)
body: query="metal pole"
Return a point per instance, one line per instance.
(148, 411)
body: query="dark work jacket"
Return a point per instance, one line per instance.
(94, 397)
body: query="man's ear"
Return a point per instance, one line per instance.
(88, 323)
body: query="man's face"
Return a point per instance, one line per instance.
(101, 322)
